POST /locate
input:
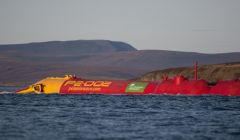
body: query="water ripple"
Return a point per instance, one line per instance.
(119, 117)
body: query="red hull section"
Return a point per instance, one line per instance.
(227, 88)
(179, 85)
(187, 87)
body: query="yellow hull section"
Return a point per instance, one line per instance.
(49, 85)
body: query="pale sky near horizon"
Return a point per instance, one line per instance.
(208, 26)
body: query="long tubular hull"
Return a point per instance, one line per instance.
(178, 85)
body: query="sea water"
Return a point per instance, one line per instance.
(117, 117)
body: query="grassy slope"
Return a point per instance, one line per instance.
(210, 73)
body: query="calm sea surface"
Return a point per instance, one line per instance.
(118, 117)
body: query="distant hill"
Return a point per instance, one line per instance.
(156, 59)
(65, 48)
(25, 63)
(211, 73)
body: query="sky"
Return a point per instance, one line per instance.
(207, 26)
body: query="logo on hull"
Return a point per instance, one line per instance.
(86, 85)
(136, 87)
